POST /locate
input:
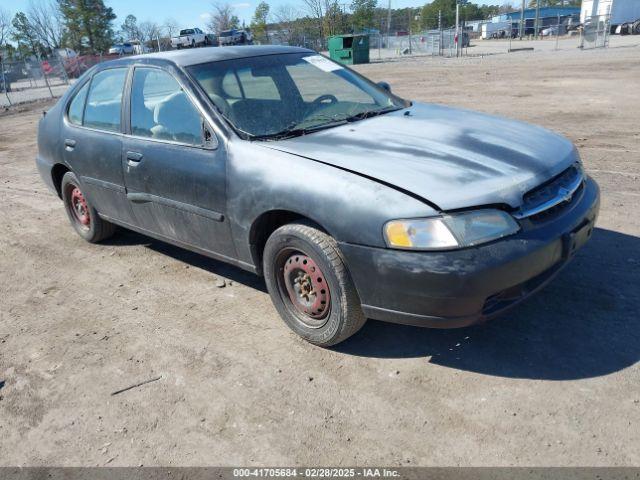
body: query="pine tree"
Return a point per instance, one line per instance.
(88, 24)
(259, 21)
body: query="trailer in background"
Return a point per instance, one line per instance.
(620, 11)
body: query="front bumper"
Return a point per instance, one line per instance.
(462, 287)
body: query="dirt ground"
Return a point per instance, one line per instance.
(555, 382)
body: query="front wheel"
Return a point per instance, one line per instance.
(83, 217)
(310, 285)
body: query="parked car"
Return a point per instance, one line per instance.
(122, 49)
(352, 202)
(190, 37)
(235, 37)
(551, 31)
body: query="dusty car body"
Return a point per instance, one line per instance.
(404, 212)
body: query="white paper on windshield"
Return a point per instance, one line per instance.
(322, 63)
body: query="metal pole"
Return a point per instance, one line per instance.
(4, 81)
(440, 32)
(558, 32)
(522, 24)
(410, 32)
(389, 24)
(457, 37)
(46, 80)
(537, 17)
(63, 69)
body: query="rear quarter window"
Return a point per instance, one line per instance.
(76, 106)
(104, 100)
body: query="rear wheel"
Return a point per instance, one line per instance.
(83, 217)
(310, 285)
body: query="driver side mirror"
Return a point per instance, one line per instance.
(385, 86)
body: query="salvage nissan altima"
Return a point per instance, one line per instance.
(352, 202)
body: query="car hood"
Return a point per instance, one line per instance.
(451, 158)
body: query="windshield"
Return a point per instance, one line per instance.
(283, 95)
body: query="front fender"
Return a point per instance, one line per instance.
(351, 208)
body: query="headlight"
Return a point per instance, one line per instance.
(447, 232)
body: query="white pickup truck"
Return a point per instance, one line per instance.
(189, 37)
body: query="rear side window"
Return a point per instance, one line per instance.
(76, 107)
(161, 110)
(104, 100)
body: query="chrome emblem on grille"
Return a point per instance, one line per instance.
(565, 194)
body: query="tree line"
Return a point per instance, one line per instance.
(88, 26)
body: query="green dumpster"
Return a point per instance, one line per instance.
(349, 49)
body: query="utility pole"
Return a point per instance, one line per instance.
(410, 31)
(457, 37)
(388, 23)
(459, 34)
(522, 24)
(537, 17)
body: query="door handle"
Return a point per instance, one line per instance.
(134, 157)
(69, 144)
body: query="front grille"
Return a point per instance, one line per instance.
(552, 196)
(552, 212)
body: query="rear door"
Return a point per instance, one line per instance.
(174, 169)
(92, 141)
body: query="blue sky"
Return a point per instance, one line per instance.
(193, 13)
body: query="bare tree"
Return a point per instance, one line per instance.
(171, 27)
(222, 18)
(150, 32)
(5, 26)
(47, 22)
(290, 31)
(316, 10)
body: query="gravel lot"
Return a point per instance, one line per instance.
(555, 382)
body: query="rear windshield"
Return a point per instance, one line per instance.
(228, 33)
(186, 32)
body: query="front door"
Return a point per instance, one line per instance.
(174, 170)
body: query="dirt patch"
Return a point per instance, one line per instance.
(554, 382)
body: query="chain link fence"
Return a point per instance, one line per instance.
(428, 43)
(595, 32)
(41, 78)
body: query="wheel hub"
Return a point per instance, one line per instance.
(306, 286)
(79, 207)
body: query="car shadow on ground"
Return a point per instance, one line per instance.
(585, 324)
(229, 272)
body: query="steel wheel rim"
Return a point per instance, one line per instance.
(303, 287)
(78, 207)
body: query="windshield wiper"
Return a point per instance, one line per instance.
(372, 113)
(295, 131)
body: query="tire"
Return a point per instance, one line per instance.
(304, 252)
(83, 217)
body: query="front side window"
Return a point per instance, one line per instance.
(76, 107)
(160, 109)
(104, 100)
(289, 94)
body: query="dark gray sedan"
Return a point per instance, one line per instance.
(352, 202)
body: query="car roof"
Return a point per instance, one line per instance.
(195, 56)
